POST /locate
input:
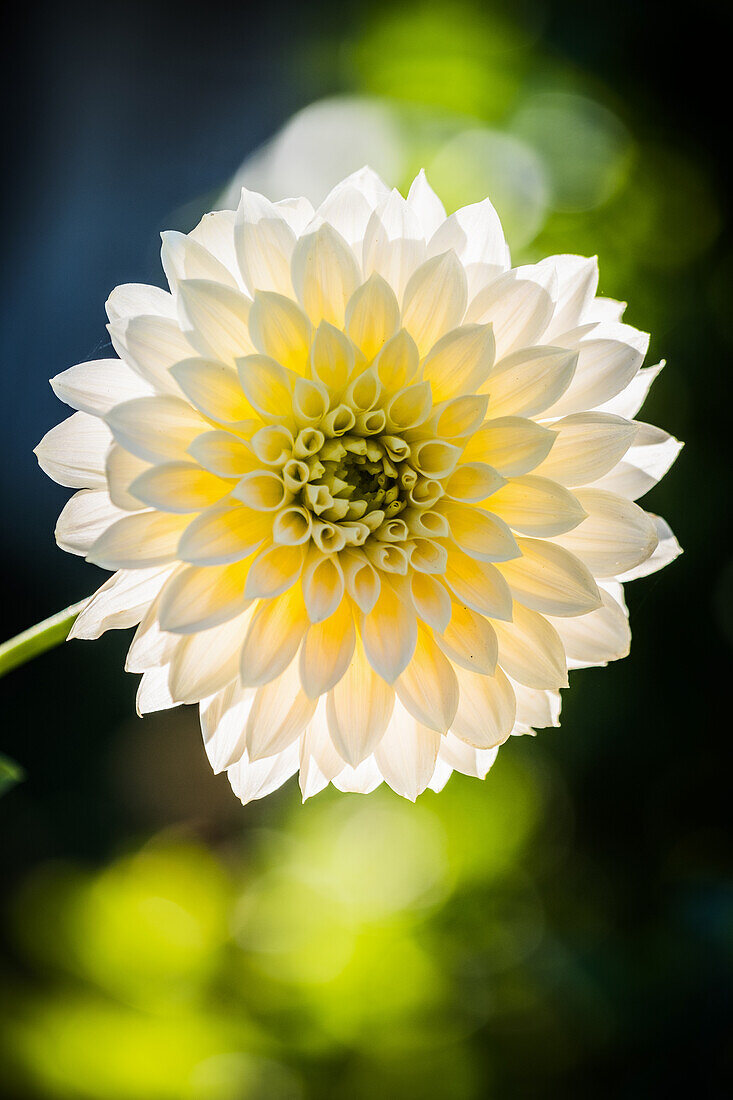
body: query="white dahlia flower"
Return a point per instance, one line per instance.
(368, 491)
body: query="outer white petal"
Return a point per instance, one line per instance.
(667, 550)
(273, 638)
(359, 708)
(597, 638)
(215, 232)
(139, 299)
(531, 650)
(224, 725)
(214, 319)
(486, 710)
(629, 401)
(196, 598)
(644, 465)
(519, 305)
(394, 242)
(120, 602)
(279, 714)
(153, 693)
(204, 663)
(389, 634)
(74, 452)
(428, 687)
(258, 778)
(434, 300)
(151, 345)
(183, 257)
(407, 753)
(319, 761)
(84, 518)
(138, 541)
(157, 429)
(264, 243)
(475, 235)
(96, 386)
(549, 579)
(587, 446)
(577, 282)
(325, 275)
(616, 536)
(363, 779)
(466, 759)
(427, 207)
(609, 355)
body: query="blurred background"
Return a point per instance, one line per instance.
(566, 927)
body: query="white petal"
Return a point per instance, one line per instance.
(475, 235)
(264, 244)
(325, 275)
(465, 758)
(519, 306)
(197, 598)
(96, 386)
(428, 688)
(609, 355)
(258, 778)
(215, 232)
(460, 361)
(151, 345)
(389, 634)
(536, 506)
(179, 487)
(486, 709)
(363, 779)
(120, 602)
(667, 550)
(426, 206)
(587, 446)
(183, 257)
(435, 300)
(407, 753)
(153, 694)
(84, 518)
(224, 725)
(394, 242)
(528, 381)
(214, 319)
(551, 580)
(629, 401)
(510, 444)
(279, 714)
(616, 536)
(480, 534)
(138, 299)
(74, 452)
(470, 640)
(577, 281)
(479, 585)
(530, 650)
(327, 650)
(273, 637)
(223, 533)
(645, 463)
(597, 638)
(214, 389)
(205, 663)
(138, 541)
(157, 429)
(280, 330)
(359, 709)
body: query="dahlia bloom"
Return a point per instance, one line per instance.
(367, 490)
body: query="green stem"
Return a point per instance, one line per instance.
(45, 635)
